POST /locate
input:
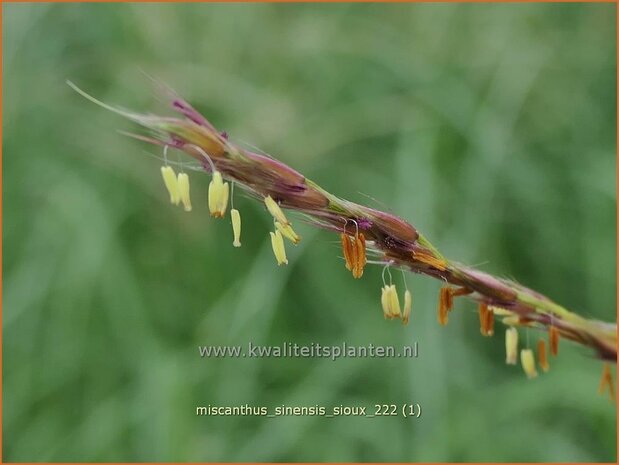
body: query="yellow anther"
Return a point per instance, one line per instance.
(171, 184)
(218, 192)
(277, 242)
(395, 302)
(288, 232)
(390, 302)
(408, 306)
(236, 227)
(528, 363)
(183, 191)
(275, 211)
(384, 300)
(511, 346)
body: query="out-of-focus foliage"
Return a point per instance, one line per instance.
(491, 128)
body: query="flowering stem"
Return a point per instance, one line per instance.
(390, 238)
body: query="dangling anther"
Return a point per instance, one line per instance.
(354, 251)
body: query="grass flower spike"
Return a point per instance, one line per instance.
(389, 240)
(171, 184)
(236, 227)
(218, 192)
(277, 242)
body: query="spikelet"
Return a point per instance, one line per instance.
(430, 260)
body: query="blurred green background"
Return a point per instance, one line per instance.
(491, 128)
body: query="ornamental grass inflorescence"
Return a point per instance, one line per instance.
(392, 242)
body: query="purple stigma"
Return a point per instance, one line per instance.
(364, 223)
